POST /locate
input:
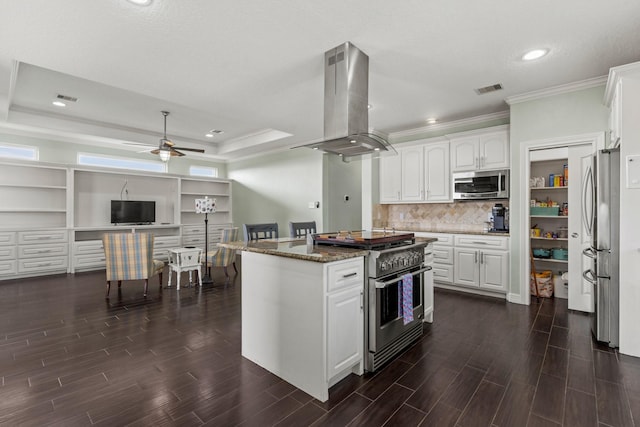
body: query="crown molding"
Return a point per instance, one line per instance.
(448, 125)
(557, 90)
(615, 74)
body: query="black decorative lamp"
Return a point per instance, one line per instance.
(206, 206)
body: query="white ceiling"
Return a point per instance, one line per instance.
(249, 67)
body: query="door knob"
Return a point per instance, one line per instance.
(574, 235)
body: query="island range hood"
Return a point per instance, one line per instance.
(346, 105)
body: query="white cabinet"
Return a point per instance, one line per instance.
(42, 252)
(390, 178)
(303, 320)
(412, 172)
(442, 253)
(481, 262)
(419, 173)
(486, 150)
(437, 173)
(8, 253)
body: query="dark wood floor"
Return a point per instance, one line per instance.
(68, 357)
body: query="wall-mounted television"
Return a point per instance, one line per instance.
(133, 212)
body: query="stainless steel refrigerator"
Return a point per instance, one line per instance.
(602, 218)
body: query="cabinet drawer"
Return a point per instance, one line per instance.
(443, 238)
(443, 273)
(443, 255)
(193, 229)
(42, 251)
(480, 242)
(37, 265)
(7, 268)
(89, 247)
(7, 252)
(344, 274)
(89, 261)
(193, 240)
(166, 243)
(7, 238)
(53, 236)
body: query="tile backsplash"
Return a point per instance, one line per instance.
(435, 217)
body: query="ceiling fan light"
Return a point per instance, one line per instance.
(165, 155)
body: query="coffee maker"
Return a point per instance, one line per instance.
(500, 219)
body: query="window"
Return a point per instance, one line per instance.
(121, 162)
(203, 171)
(18, 152)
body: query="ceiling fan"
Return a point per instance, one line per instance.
(167, 148)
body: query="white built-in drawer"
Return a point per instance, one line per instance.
(166, 243)
(443, 273)
(443, 238)
(7, 238)
(89, 247)
(7, 267)
(193, 240)
(193, 229)
(45, 236)
(343, 274)
(7, 252)
(89, 261)
(480, 242)
(40, 251)
(443, 255)
(37, 265)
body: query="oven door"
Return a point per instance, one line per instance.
(385, 323)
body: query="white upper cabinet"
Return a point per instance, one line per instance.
(419, 173)
(482, 151)
(412, 174)
(390, 178)
(437, 174)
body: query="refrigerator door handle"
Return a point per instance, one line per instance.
(590, 252)
(590, 277)
(586, 218)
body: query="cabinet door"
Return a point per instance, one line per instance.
(412, 174)
(390, 178)
(494, 270)
(428, 296)
(494, 151)
(345, 329)
(465, 267)
(464, 154)
(437, 173)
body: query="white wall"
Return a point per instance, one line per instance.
(278, 188)
(342, 180)
(574, 113)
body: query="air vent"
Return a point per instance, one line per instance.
(487, 89)
(67, 98)
(216, 131)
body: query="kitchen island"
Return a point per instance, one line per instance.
(302, 311)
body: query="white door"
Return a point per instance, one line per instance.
(390, 178)
(412, 167)
(464, 154)
(437, 175)
(580, 209)
(345, 329)
(494, 151)
(494, 268)
(465, 267)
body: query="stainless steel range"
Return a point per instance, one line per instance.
(391, 257)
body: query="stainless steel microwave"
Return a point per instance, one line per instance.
(479, 185)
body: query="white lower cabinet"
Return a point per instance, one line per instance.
(478, 267)
(41, 252)
(344, 331)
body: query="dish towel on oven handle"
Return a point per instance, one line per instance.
(405, 298)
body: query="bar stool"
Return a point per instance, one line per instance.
(185, 259)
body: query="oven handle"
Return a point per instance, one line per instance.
(382, 285)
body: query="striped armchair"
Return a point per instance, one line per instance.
(129, 256)
(223, 257)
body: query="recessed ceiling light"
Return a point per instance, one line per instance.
(432, 120)
(59, 104)
(369, 106)
(209, 135)
(140, 2)
(534, 54)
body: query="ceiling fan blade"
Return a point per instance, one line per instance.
(136, 143)
(156, 151)
(195, 150)
(175, 152)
